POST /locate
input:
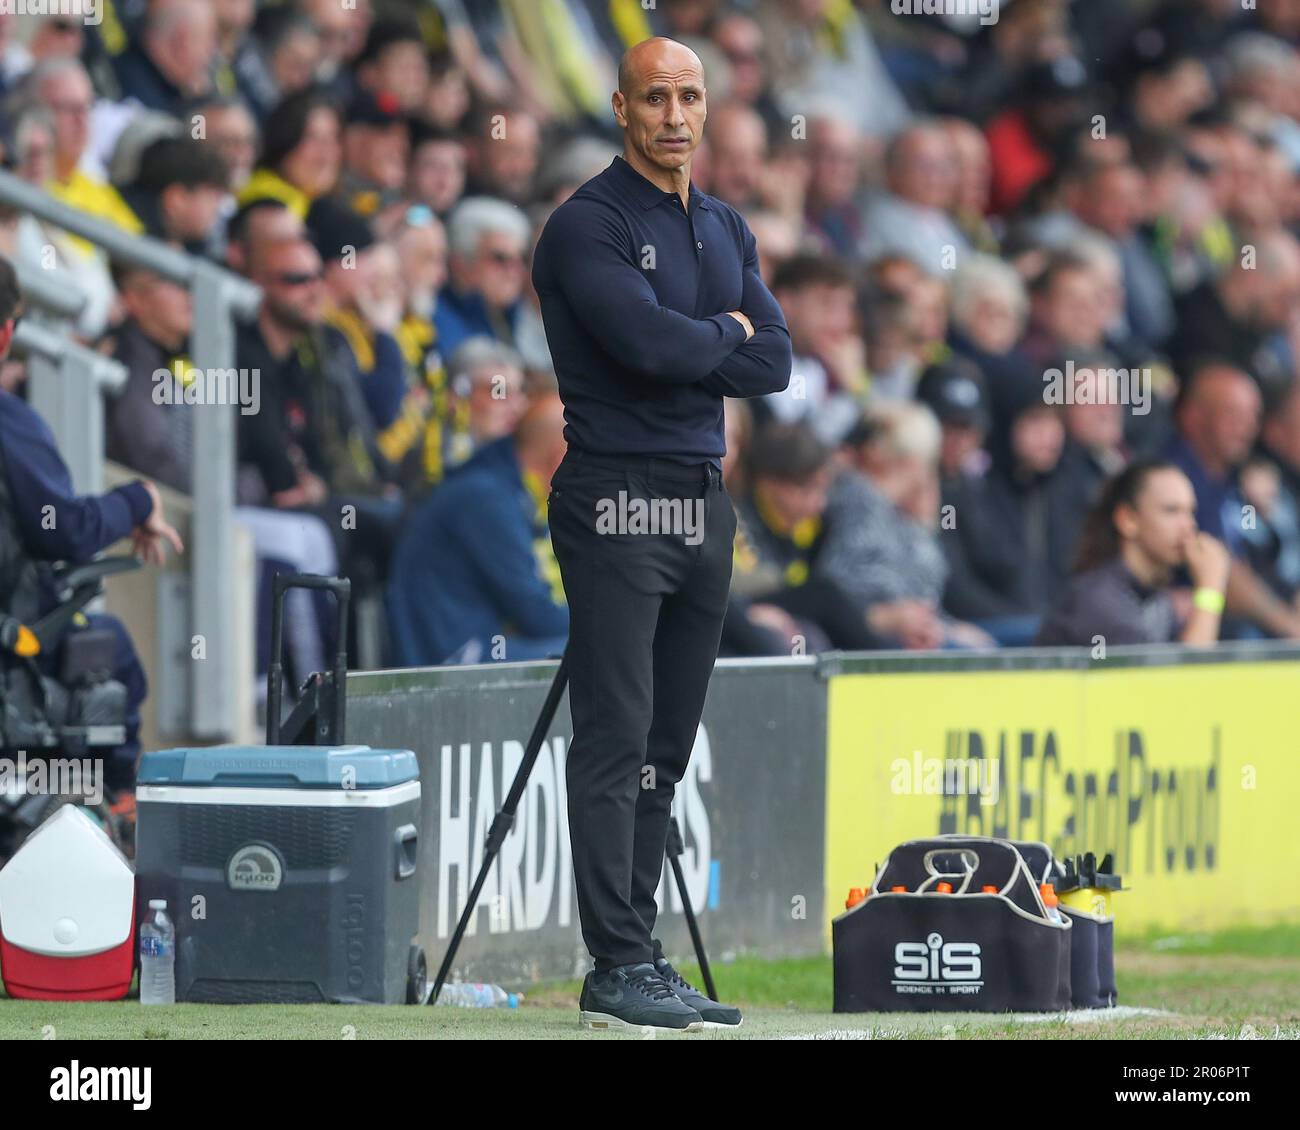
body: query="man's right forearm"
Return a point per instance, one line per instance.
(1248, 597)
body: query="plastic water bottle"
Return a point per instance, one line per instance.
(465, 994)
(1050, 902)
(157, 956)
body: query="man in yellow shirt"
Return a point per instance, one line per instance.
(62, 85)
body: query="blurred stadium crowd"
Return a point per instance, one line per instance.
(949, 210)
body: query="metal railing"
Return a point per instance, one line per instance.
(75, 415)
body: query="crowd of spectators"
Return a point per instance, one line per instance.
(1016, 257)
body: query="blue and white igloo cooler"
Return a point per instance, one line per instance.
(290, 871)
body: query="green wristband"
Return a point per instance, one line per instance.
(1208, 600)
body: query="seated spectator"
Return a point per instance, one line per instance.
(436, 171)
(232, 133)
(172, 64)
(1068, 314)
(780, 601)
(1270, 528)
(826, 53)
(486, 382)
(954, 392)
(284, 60)
(1015, 529)
(238, 62)
(489, 242)
(737, 150)
(1138, 537)
(40, 484)
(473, 578)
(376, 147)
(310, 449)
(311, 441)
(258, 224)
(150, 426)
(1094, 420)
(33, 244)
(365, 299)
(62, 85)
(1110, 198)
(911, 218)
(421, 243)
(989, 310)
(969, 210)
(834, 182)
(504, 147)
(1241, 315)
(827, 378)
(178, 193)
(881, 547)
(905, 327)
(343, 30)
(301, 153)
(1217, 416)
(1279, 444)
(1024, 134)
(394, 60)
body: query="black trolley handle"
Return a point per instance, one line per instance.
(341, 587)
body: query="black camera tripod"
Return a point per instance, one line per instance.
(505, 819)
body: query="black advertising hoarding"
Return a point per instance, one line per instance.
(751, 809)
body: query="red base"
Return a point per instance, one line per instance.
(102, 976)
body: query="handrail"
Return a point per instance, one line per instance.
(32, 337)
(137, 250)
(219, 297)
(59, 293)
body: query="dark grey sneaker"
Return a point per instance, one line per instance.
(633, 996)
(713, 1014)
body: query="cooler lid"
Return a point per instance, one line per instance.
(68, 891)
(280, 766)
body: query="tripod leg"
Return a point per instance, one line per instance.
(675, 848)
(505, 818)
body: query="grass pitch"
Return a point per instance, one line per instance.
(1243, 982)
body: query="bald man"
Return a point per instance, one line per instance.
(654, 311)
(1217, 415)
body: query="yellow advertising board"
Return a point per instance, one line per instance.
(1190, 775)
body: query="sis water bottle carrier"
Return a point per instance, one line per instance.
(974, 924)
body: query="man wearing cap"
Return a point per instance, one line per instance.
(654, 311)
(954, 391)
(376, 144)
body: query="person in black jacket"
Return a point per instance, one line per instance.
(54, 523)
(1015, 529)
(654, 311)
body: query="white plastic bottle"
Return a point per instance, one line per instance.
(465, 994)
(157, 956)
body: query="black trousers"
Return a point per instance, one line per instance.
(646, 605)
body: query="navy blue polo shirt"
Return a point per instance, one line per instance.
(634, 292)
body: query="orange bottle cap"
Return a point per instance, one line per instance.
(1049, 894)
(856, 895)
(989, 890)
(898, 890)
(944, 888)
